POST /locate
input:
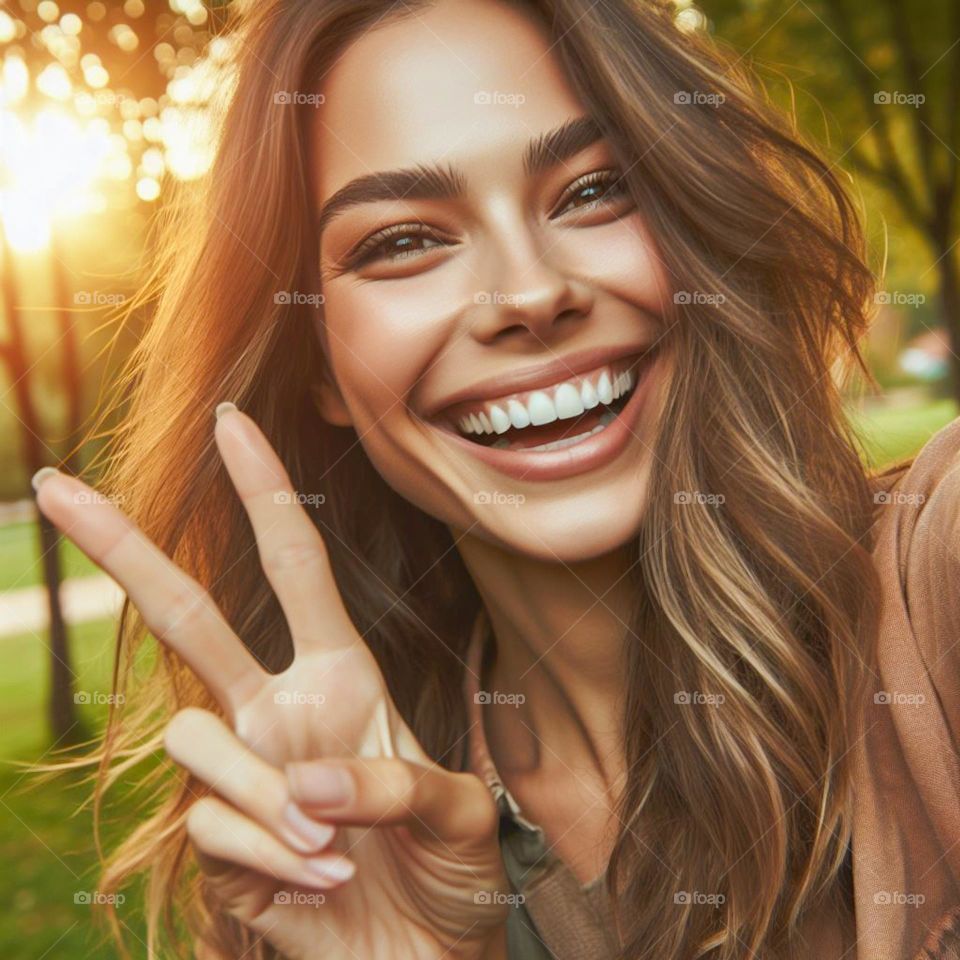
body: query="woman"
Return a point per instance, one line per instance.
(520, 322)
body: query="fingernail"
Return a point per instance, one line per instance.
(44, 473)
(315, 783)
(332, 869)
(225, 407)
(307, 835)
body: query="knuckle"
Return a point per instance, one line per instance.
(202, 820)
(403, 786)
(183, 730)
(183, 613)
(293, 556)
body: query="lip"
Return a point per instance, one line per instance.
(536, 377)
(589, 454)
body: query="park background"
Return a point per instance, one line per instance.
(106, 107)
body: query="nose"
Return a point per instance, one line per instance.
(530, 298)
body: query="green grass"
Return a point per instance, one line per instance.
(890, 434)
(20, 557)
(45, 843)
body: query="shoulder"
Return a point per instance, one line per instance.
(918, 504)
(917, 555)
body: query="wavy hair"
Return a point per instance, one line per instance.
(767, 600)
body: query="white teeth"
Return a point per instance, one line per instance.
(519, 415)
(541, 408)
(499, 419)
(605, 388)
(563, 402)
(567, 401)
(588, 395)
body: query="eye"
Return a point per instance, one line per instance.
(394, 244)
(593, 190)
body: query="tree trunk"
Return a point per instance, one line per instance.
(61, 708)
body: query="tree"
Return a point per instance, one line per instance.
(889, 73)
(85, 114)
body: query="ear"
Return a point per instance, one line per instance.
(326, 395)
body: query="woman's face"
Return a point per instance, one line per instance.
(488, 302)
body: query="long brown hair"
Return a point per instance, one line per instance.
(753, 577)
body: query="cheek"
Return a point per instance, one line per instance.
(621, 258)
(381, 337)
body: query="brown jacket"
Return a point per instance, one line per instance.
(905, 851)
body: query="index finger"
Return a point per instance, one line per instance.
(175, 607)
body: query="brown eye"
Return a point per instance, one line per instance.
(594, 190)
(399, 242)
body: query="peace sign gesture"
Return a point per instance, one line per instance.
(328, 829)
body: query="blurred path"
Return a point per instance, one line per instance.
(84, 598)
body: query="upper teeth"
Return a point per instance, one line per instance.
(561, 402)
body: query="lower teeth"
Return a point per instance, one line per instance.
(605, 419)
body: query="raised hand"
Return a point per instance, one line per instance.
(397, 857)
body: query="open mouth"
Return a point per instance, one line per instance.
(558, 416)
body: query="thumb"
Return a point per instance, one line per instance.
(387, 791)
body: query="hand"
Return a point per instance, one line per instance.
(419, 841)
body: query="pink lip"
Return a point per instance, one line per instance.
(589, 454)
(541, 375)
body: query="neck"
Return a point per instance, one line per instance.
(559, 631)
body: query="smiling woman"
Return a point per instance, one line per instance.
(534, 613)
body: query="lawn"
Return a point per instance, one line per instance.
(46, 844)
(20, 558)
(892, 433)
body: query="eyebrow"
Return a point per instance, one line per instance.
(439, 182)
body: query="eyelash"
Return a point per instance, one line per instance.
(367, 252)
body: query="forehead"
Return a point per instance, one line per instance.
(460, 80)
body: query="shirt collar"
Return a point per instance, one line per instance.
(479, 759)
